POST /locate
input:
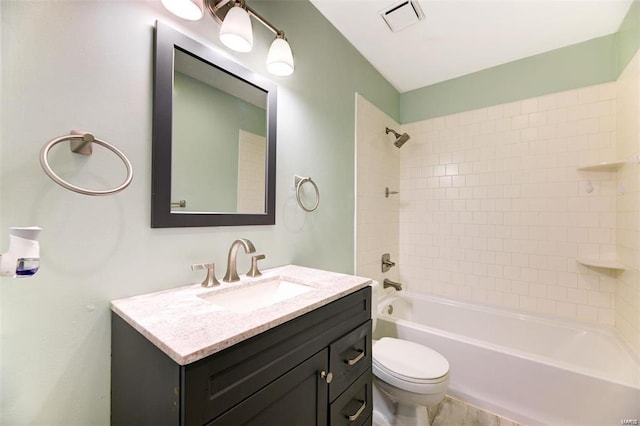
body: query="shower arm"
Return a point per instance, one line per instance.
(396, 134)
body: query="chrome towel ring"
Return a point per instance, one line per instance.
(80, 143)
(299, 181)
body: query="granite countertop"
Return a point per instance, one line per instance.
(187, 328)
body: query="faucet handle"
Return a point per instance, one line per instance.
(254, 272)
(210, 280)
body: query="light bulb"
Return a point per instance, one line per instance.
(186, 9)
(280, 58)
(236, 32)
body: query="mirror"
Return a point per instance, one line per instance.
(214, 138)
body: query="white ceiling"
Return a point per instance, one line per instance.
(459, 37)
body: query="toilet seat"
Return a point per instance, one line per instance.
(408, 365)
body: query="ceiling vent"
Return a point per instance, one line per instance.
(402, 14)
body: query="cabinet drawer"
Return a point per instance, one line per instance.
(349, 357)
(355, 406)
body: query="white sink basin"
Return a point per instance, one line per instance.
(256, 296)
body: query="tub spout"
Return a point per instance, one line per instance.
(388, 283)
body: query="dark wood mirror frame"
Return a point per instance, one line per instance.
(166, 40)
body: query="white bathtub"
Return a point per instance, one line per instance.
(530, 369)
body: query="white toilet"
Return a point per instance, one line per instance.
(408, 378)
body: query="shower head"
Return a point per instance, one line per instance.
(400, 138)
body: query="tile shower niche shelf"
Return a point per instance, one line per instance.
(606, 166)
(608, 264)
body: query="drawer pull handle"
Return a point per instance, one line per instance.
(354, 416)
(354, 361)
(328, 377)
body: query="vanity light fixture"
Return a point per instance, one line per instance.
(236, 31)
(280, 58)
(191, 10)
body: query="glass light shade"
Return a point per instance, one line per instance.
(236, 32)
(186, 9)
(280, 58)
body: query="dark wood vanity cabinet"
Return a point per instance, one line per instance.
(312, 370)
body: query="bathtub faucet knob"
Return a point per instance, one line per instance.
(386, 262)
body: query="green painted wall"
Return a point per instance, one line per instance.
(570, 67)
(54, 348)
(629, 36)
(55, 334)
(206, 121)
(595, 61)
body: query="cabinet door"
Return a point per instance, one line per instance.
(297, 398)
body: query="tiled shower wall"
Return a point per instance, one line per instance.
(494, 211)
(628, 204)
(377, 167)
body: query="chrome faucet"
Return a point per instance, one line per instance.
(210, 280)
(232, 269)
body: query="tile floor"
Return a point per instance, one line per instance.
(454, 412)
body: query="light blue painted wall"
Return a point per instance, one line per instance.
(88, 65)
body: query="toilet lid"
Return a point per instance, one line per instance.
(409, 361)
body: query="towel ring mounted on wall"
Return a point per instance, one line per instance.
(299, 181)
(80, 143)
